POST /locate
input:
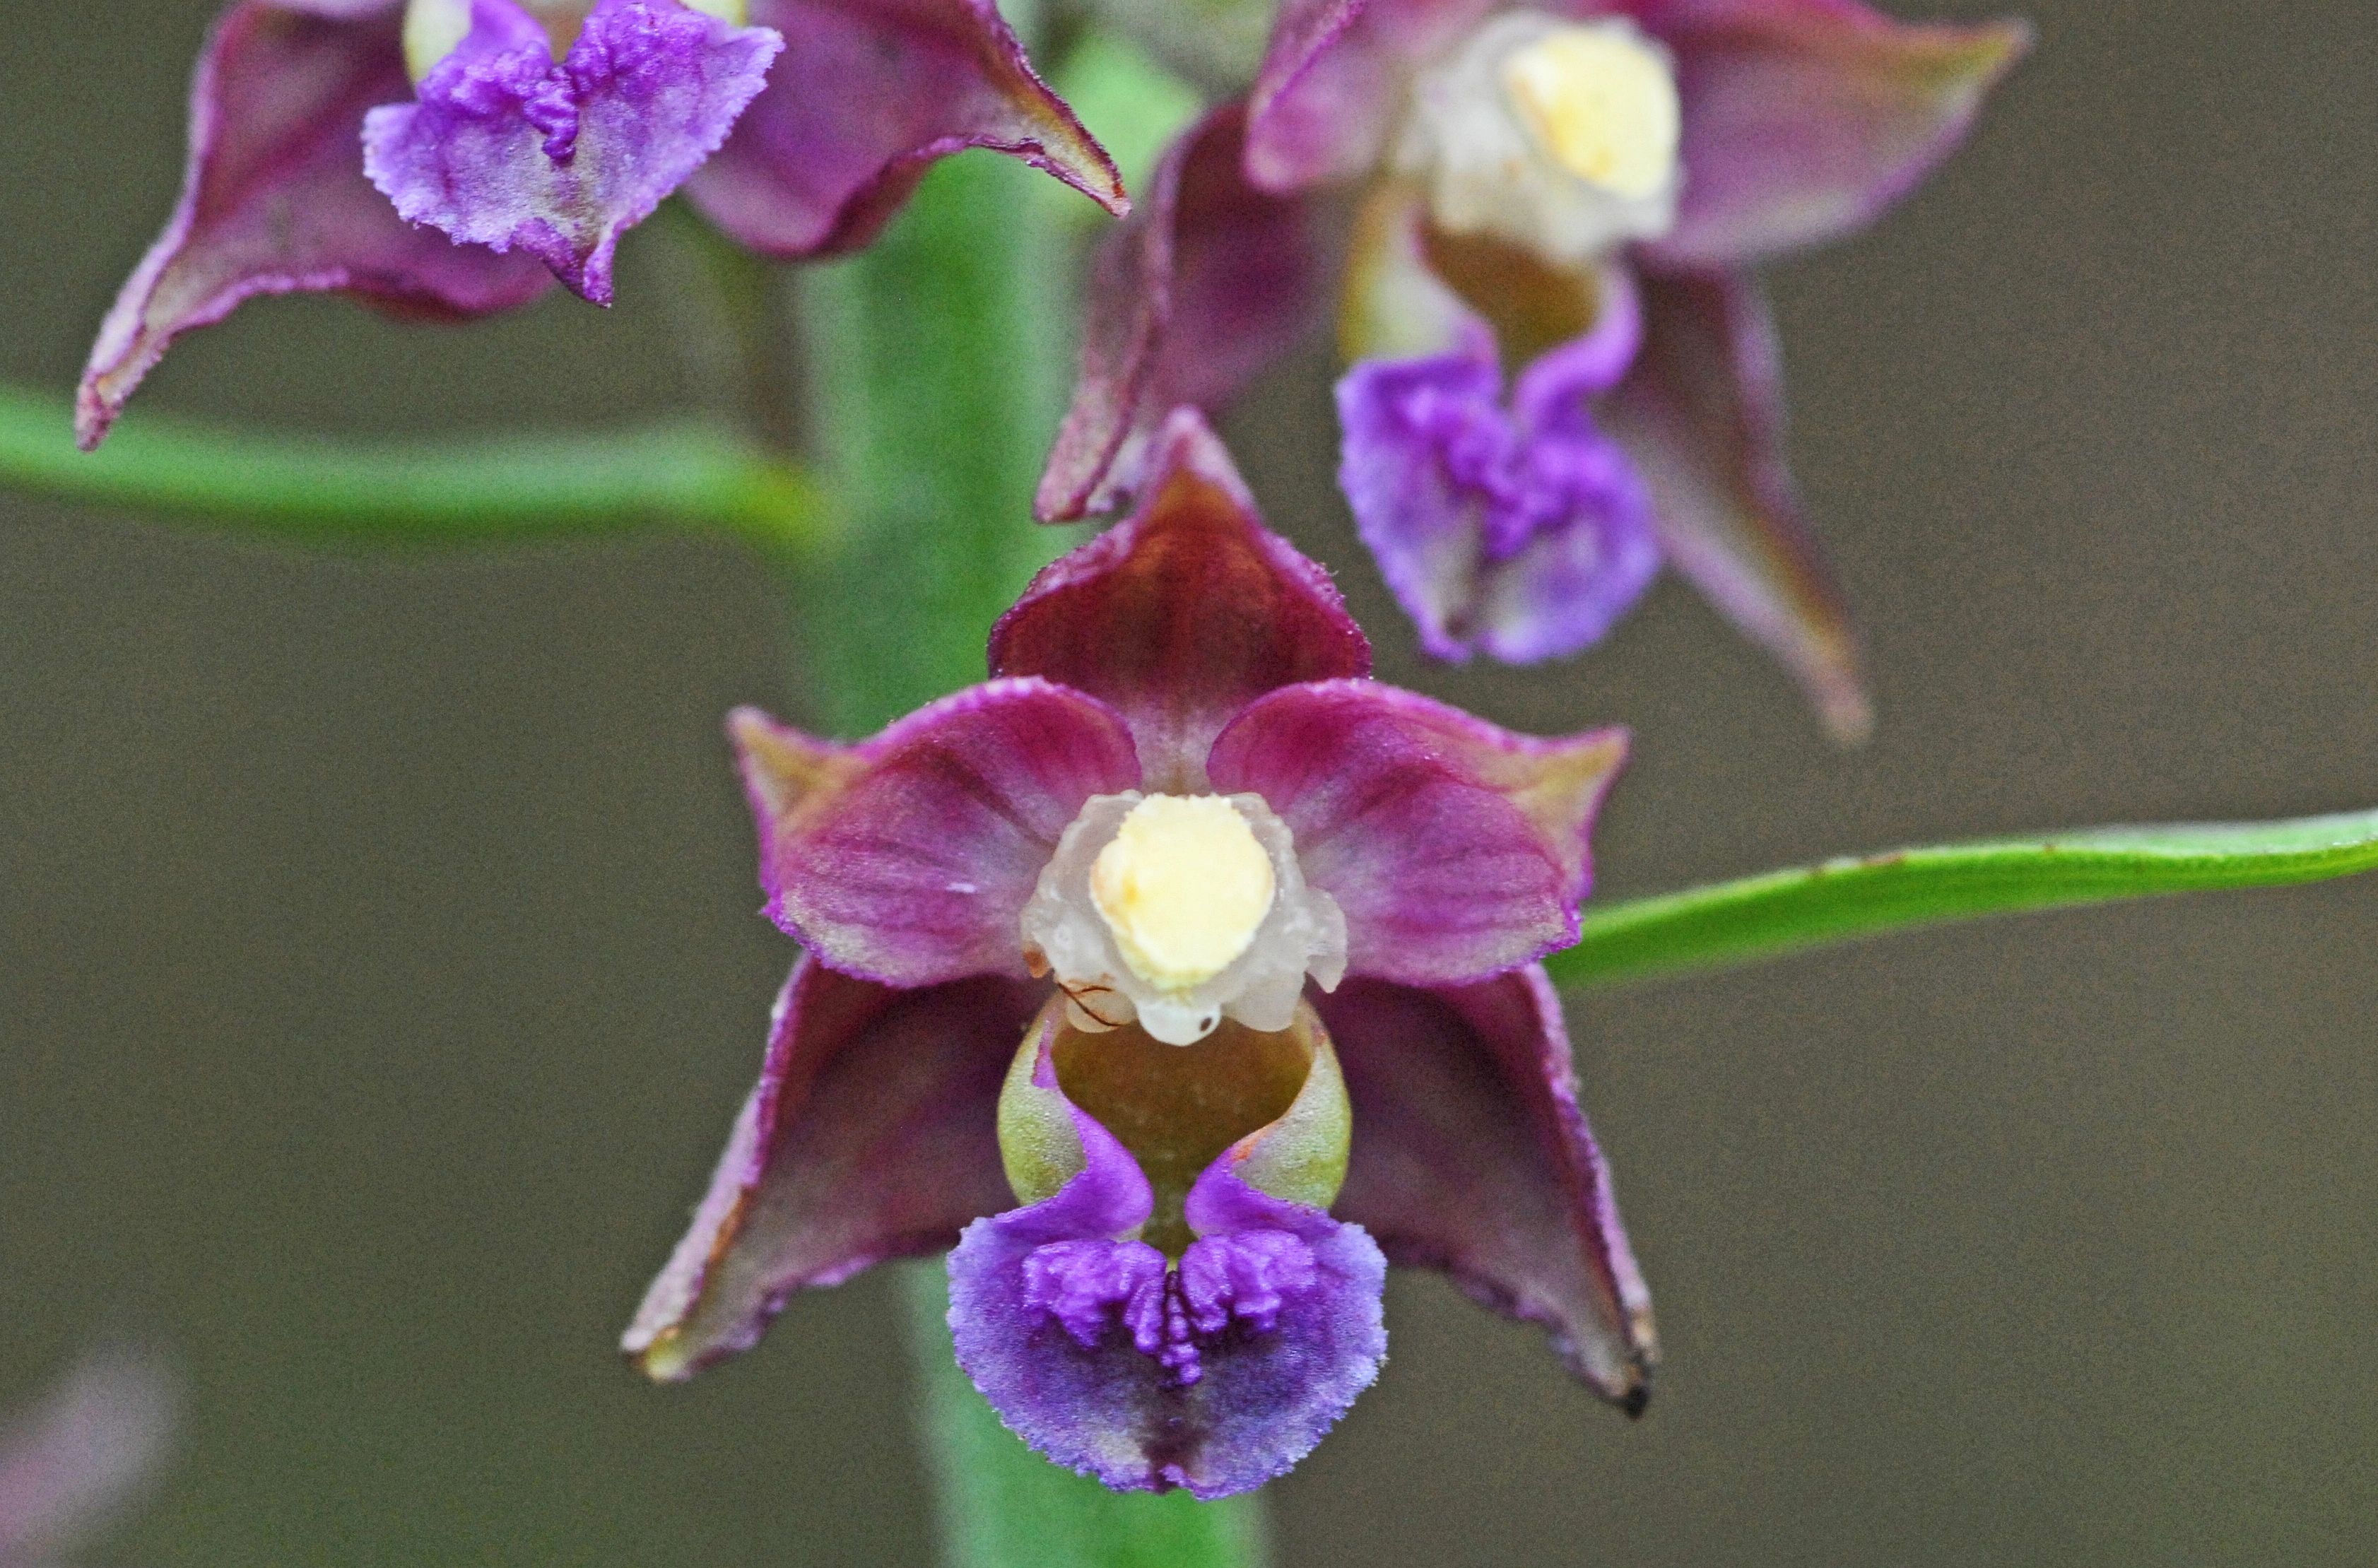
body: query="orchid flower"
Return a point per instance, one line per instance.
(1181, 976)
(453, 156)
(72, 1460)
(1537, 221)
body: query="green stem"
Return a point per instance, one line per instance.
(937, 360)
(1783, 912)
(419, 494)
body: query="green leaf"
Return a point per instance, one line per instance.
(1783, 912)
(1004, 1506)
(316, 490)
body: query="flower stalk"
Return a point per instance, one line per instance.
(936, 365)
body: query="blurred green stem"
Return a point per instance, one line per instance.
(316, 490)
(935, 360)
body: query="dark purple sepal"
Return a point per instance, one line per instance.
(1456, 848)
(274, 199)
(871, 1135)
(1524, 533)
(1472, 1156)
(1215, 1375)
(1183, 614)
(508, 148)
(870, 93)
(1701, 413)
(908, 857)
(1206, 282)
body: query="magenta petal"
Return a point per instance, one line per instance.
(1804, 119)
(908, 858)
(274, 199)
(1215, 1376)
(71, 1461)
(1472, 1156)
(1206, 282)
(868, 93)
(1183, 614)
(509, 148)
(1334, 80)
(1702, 414)
(1456, 848)
(871, 1135)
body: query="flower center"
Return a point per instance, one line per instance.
(1177, 912)
(1602, 103)
(1557, 137)
(1183, 886)
(435, 28)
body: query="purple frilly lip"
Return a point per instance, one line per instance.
(1214, 1373)
(506, 146)
(1524, 533)
(503, 145)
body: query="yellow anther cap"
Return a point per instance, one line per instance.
(1183, 886)
(1602, 103)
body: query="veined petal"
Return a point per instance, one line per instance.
(867, 95)
(1472, 1156)
(1702, 415)
(870, 1136)
(73, 1459)
(1216, 1371)
(274, 199)
(508, 148)
(908, 858)
(1334, 80)
(1456, 848)
(1206, 282)
(1183, 614)
(1804, 119)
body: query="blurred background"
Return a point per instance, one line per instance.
(379, 966)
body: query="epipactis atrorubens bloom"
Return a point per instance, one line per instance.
(455, 157)
(1534, 222)
(1182, 976)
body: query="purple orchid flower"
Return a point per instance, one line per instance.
(1570, 190)
(77, 1456)
(452, 158)
(1266, 931)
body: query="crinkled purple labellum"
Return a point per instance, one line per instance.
(1525, 541)
(1215, 1368)
(508, 146)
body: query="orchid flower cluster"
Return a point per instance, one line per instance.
(1180, 977)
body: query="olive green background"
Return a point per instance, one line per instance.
(379, 968)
